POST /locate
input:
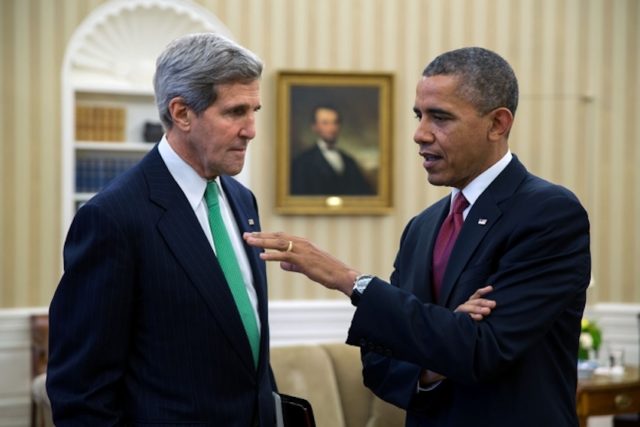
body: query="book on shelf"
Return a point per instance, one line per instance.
(94, 172)
(100, 123)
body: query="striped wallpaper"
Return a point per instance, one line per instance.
(578, 122)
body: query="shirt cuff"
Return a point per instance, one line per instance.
(420, 389)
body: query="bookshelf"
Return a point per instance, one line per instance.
(107, 93)
(108, 137)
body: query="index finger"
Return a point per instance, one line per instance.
(479, 293)
(268, 240)
(264, 234)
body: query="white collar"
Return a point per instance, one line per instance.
(192, 184)
(324, 146)
(475, 188)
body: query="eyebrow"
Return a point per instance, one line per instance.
(439, 111)
(244, 106)
(434, 111)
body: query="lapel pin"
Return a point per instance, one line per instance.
(251, 221)
(482, 221)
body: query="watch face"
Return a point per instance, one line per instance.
(362, 282)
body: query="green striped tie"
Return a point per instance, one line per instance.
(229, 263)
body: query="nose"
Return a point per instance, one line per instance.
(423, 133)
(248, 129)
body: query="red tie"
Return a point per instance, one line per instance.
(446, 239)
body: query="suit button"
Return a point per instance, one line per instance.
(363, 342)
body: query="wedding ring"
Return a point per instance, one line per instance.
(290, 247)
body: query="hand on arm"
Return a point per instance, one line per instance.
(478, 308)
(302, 256)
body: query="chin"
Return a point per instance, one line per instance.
(234, 171)
(436, 181)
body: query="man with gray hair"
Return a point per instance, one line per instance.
(431, 343)
(160, 317)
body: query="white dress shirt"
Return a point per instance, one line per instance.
(193, 187)
(475, 188)
(332, 156)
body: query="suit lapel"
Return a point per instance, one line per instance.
(482, 217)
(469, 238)
(186, 240)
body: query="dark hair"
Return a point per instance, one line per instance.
(325, 107)
(486, 80)
(193, 65)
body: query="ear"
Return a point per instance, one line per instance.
(180, 113)
(501, 121)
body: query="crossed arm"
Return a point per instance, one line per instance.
(478, 308)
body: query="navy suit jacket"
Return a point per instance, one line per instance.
(143, 327)
(517, 367)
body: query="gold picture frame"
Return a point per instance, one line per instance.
(307, 184)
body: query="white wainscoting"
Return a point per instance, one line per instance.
(291, 322)
(308, 322)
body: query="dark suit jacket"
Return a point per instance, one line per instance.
(530, 240)
(311, 174)
(144, 329)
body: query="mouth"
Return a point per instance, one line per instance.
(430, 160)
(239, 148)
(431, 157)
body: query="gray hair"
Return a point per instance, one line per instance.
(486, 80)
(192, 66)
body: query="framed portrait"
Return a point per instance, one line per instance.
(334, 143)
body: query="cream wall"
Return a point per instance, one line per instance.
(578, 123)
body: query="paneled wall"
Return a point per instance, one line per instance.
(578, 122)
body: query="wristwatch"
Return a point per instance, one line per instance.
(359, 286)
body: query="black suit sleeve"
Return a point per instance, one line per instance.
(89, 314)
